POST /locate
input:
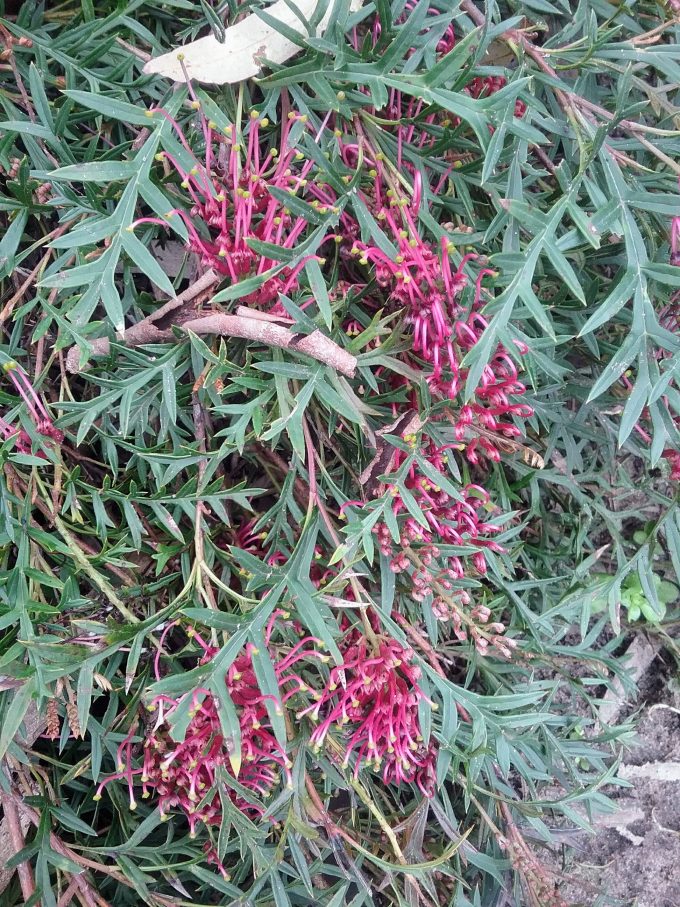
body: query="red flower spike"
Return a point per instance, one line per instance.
(371, 701)
(184, 774)
(36, 409)
(230, 201)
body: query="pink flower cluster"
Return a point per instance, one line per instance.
(36, 409)
(371, 702)
(371, 699)
(183, 774)
(421, 282)
(450, 520)
(411, 121)
(231, 202)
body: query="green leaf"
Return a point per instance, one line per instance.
(84, 695)
(115, 109)
(16, 706)
(619, 296)
(318, 287)
(95, 172)
(269, 687)
(10, 242)
(617, 365)
(39, 97)
(146, 263)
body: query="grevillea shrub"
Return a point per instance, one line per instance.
(339, 416)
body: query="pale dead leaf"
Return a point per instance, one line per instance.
(640, 655)
(651, 771)
(245, 46)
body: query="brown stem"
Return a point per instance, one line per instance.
(135, 51)
(18, 296)
(69, 893)
(475, 14)
(303, 496)
(315, 345)
(299, 487)
(333, 829)
(22, 90)
(157, 329)
(534, 874)
(16, 836)
(544, 159)
(152, 327)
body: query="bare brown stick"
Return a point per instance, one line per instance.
(315, 345)
(16, 836)
(151, 328)
(157, 329)
(18, 296)
(135, 51)
(544, 159)
(263, 316)
(22, 88)
(69, 894)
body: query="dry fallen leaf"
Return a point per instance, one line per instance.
(245, 46)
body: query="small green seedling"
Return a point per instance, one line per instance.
(638, 605)
(633, 598)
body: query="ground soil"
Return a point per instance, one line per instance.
(637, 863)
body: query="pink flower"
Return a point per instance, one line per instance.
(371, 702)
(184, 774)
(231, 203)
(450, 520)
(36, 409)
(421, 281)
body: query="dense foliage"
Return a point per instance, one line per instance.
(312, 578)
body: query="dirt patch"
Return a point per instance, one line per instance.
(633, 859)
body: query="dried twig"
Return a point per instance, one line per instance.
(17, 841)
(19, 295)
(315, 345)
(69, 893)
(157, 329)
(135, 51)
(14, 823)
(154, 326)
